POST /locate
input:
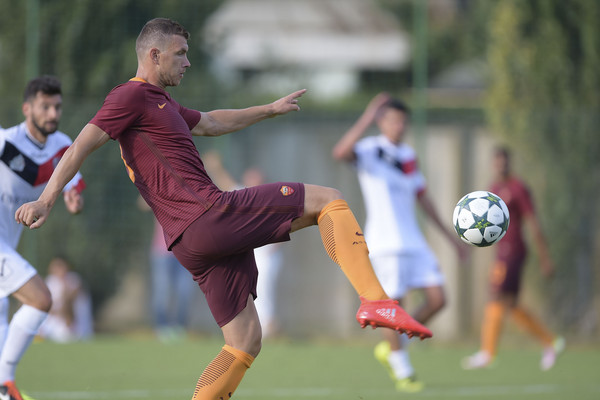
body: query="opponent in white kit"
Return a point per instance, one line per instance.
(29, 152)
(391, 184)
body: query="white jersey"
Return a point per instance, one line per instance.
(25, 167)
(390, 182)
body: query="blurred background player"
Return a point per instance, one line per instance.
(269, 258)
(70, 316)
(171, 289)
(391, 183)
(507, 270)
(28, 154)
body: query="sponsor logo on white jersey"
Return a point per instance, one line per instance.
(17, 163)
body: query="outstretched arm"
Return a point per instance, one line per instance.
(344, 149)
(35, 213)
(429, 209)
(220, 122)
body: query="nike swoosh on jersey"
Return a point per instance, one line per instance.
(161, 106)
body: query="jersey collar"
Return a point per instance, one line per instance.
(32, 139)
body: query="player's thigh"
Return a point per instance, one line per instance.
(244, 331)
(435, 296)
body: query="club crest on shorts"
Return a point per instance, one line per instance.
(286, 190)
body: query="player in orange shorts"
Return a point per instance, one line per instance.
(507, 270)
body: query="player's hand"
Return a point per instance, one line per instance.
(32, 214)
(288, 103)
(374, 106)
(73, 201)
(378, 101)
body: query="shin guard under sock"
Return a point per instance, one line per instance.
(223, 375)
(345, 244)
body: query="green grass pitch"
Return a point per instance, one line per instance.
(130, 368)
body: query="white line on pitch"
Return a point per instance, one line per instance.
(470, 391)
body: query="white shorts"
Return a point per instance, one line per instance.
(399, 273)
(15, 271)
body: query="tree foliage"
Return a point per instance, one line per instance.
(544, 102)
(90, 46)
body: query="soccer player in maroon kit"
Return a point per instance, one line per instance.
(211, 232)
(507, 270)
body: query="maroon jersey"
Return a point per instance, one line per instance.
(518, 200)
(154, 133)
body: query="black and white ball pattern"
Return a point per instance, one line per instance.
(481, 218)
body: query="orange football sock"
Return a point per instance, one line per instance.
(492, 325)
(345, 243)
(223, 375)
(532, 325)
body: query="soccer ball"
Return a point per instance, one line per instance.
(481, 218)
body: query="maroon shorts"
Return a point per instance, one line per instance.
(218, 247)
(506, 273)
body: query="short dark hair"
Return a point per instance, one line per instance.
(399, 105)
(158, 29)
(45, 84)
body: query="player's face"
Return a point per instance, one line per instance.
(392, 124)
(42, 114)
(501, 165)
(173, 61)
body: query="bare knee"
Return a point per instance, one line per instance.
(315, 199)
(437, 304)
(253, 341)
(256, 347)
(42, 302)
(429, 309)
(250, 342)
(436, 297)
(244, 331)
(435, 300)
(35, 294)
(331, 194)
(507, 300)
